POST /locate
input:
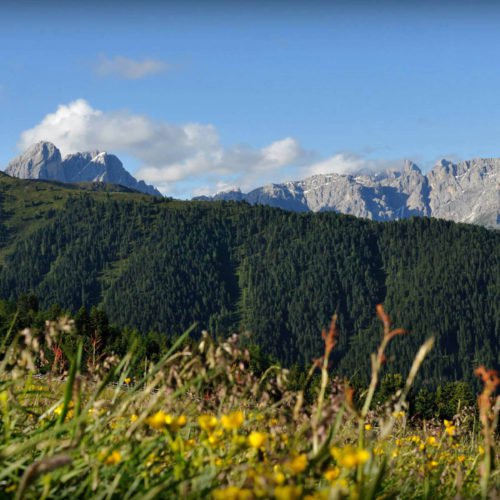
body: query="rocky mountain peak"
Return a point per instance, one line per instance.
(43, 161)
(40, 161)
(45, 149)
(444, 167)
(409, 167)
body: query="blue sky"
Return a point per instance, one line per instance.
(201, 96)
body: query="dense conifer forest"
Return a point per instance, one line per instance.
(156, 266)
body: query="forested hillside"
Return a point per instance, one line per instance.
(159, 265)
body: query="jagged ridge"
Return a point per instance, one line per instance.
(463, 192)
(43, 161)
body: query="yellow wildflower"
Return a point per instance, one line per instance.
(128, 380)
(368, 427)
(110, 459)
(431, 440)
(133, 417)
(175, 423)
(432, 464)
(232, 421)
(350, 457)
(58, 410)
(287, 492)
(232, 493)
(332, 473)
(215, 437)
(362, 456)
(161, 419)
(449, 428)
(207, 422)
(257, 439)
(190, 443)
(298, 464)
(279, 477)
(157, 421)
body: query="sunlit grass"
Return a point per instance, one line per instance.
(199, 423)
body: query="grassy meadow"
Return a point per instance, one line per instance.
(202, 423)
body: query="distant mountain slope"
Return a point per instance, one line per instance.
(463, 192)
(43, 161)
(157, 264)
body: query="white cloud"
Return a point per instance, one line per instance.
(130, 69)
(348, 164)
(227, 167)
(170, 156)
(341, 163)
(186, 159)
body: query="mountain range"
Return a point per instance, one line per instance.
(43, 160)
(467, 191)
